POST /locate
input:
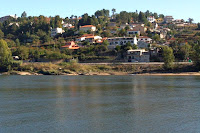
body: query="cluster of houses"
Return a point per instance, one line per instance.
(135, 36)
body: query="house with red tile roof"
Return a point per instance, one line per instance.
(89, 38)
(86, 28)
(70, 45)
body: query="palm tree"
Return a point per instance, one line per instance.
(113, 10)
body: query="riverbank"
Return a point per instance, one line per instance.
(113, 73)
(73, 68)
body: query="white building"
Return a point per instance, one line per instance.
(151, 19)
(90, 38)
(145, 39)
(138, 55)
(114, 41)
(86, 28)
(67, 25)
(56, 31)
(168, 19)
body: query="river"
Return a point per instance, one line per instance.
(99, 104)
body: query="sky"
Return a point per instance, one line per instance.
(179, 9)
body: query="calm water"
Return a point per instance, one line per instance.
(99, 104)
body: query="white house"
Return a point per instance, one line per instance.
(86, 28)
(56, 31)
(144, 39)
(138, 55)
(67, 25)
(114, 41)
(93, 39)
(89, 38)
(168, 19)
(151, 19)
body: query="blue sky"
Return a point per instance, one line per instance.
(178, 8)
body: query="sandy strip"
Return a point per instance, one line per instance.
(172, 74)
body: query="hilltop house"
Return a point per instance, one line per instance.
(168, 19)
(151, 19)
(159, 20)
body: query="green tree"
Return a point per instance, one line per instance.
(24, 15)
(190, 20)
(17, 42)
(196, 57)
(168, 57)
(23, 52)
(156, 37)
(106, 43)
(5, 56)
(1, 34)
(113, 11)
(198, 26)
(142, 18)
(185, 51)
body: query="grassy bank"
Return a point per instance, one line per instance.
(73, 68)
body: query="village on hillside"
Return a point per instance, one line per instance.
(102, 37)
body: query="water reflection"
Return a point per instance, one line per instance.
(99, 104)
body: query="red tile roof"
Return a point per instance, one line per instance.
(71, 45)
(87, 26)
(85, 35)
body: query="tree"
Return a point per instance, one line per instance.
(142, 18)
(17, 42)
(190, 20)
(168, 57)
(156, 37)
(198, 26)
(23, 52)
(113, 11)
(24, 15)
(1, 34)
(185, 51)
(196, 57)
(5, 56)
(106, 43)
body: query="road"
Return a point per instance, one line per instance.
(136, 63)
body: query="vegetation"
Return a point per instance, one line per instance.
(29, 38)
(5, 56)
(168, 57)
